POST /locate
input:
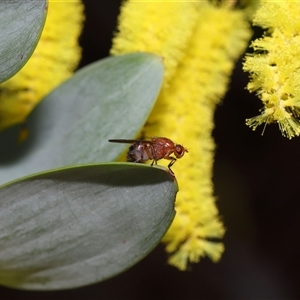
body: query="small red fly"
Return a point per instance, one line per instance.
(156, 148)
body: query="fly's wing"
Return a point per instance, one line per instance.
(124, 141)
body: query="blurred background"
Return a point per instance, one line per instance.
(257, 185)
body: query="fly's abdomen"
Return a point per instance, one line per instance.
(139, 152)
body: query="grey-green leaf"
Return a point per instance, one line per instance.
(108, 99)
(21, 24)
(77, 226)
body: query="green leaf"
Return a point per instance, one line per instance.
(111, 98)
(77, 226)
(21, 24)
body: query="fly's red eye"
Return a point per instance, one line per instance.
(179, 151)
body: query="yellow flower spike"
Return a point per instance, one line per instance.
(273, 68)
(184, 111)
(148, 35)
(54, 59)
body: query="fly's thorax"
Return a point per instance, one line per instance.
(162, 147)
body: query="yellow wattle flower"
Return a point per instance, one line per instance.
(54, 60)
(273, 67)
(199, 43)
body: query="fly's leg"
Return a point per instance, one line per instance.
(172, 162)
(154, 161)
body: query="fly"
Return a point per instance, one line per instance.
(153, 149)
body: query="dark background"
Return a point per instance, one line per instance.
(257, 185)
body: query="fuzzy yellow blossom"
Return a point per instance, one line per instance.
(199, 43)
(148, 35)
(274, 66)
(54, 59)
